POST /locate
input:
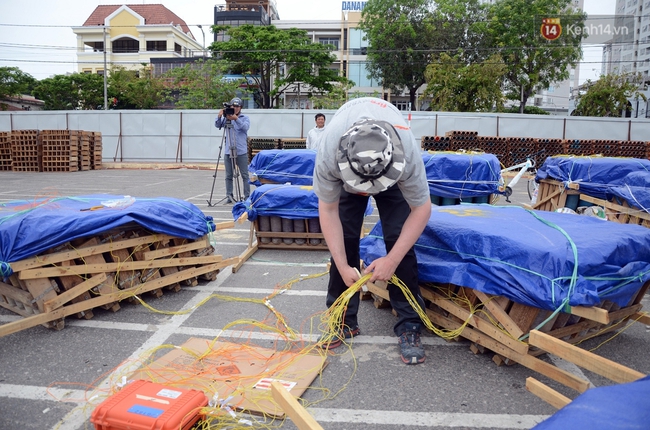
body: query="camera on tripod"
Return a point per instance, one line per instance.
(228, 109)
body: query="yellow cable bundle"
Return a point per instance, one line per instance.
(333, 317)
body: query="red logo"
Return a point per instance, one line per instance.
(551, 28)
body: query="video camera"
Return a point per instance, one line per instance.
(228, 109)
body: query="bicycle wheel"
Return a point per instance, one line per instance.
(533, 187)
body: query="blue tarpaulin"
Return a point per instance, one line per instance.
(534, 258)
(603, 177)
(281, 166)
(456, 175)
(615, 407)
(28, 228)
(286, 201)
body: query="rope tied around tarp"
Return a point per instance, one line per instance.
(5, 270)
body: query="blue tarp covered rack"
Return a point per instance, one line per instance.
(282, 217)
(282, 166)
(496, 273)
(67, 255)
(455, 177)
(620, 185)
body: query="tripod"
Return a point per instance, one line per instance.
(232, 140)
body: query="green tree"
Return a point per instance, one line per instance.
(456, 87)
(135, 89)
(405, 37)
(68, 92)
(14, 82)
(532, 110)
(201, 85)
(534, 63)
(609, 95)
(277, 59)
(334, 99)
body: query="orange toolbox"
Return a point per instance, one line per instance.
(145, 405)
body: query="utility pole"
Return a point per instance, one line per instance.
(105, 74)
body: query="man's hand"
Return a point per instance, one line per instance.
(349, 274)
(382, 269)
(220, 114)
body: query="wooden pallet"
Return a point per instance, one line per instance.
(585, 359)
(553, 195)
(102, 271)
(260, 238)
(502, 326)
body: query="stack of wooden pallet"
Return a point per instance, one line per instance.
(50, 150)
(5, 151)
(25, 151)
(101, 271)
(502, 326)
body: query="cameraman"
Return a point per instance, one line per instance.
(240, 124)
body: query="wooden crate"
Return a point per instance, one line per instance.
(502, 326)
(272, 236)
(552, 195)
(101, 271)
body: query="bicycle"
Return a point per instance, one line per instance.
(531, 187)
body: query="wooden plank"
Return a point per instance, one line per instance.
(641, 317)
(19, 311)
(555, 373)
(588, 360)
(59, 257)
(480, 324)
(224, 225)
(617, 208)
(546, 393)
(585, 325)
(173, 250)
(523, 316)
(245, 256)
(16, 294)
(75, 291)
(491, 303)
(114, 267)
(41, 289)
(291, 407)
(103, 287)
(591, 313)
(35, 320)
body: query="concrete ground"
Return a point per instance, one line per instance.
(45, 375)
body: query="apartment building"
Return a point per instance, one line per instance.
(132, 35)
(630, 54)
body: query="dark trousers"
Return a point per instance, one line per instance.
(242, 165)
(393, 211)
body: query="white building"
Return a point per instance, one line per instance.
(133, 34)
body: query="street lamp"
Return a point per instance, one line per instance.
(202, 32)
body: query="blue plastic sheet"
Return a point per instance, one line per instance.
(281, 166)
(461, 176)
(534, 258)
(286, 201)
(28, 228)
(616, 407)
(603, 177)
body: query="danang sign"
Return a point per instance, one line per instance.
(353, 6)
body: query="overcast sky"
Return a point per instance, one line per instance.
(36, 35)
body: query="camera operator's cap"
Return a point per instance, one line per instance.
(370, 156)
(236, 102)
